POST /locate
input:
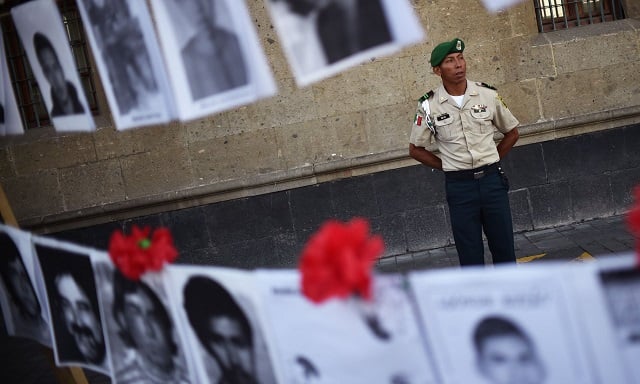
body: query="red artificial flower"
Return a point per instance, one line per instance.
(337, 260)
(138, 253)
(633, 220)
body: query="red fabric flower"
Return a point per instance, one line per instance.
(138, 253)
(337, 260)
(633, 220)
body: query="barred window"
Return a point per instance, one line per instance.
(553, 15)
(28, 97)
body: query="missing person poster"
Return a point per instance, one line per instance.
(213, 55)
(72, 301)
(10, 121)
(323, 38)
(343, 341)
(24, 305)
(46, 43)
(129, 61)
(218, 311)
(142, 336)
(503, 325)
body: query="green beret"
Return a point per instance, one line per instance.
(443, 49)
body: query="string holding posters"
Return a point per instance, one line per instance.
(325, 37)
(213, 55)
(45, 41)
(129, 61)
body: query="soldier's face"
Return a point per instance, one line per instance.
(80, 319)
(509, 359)
(453, 68)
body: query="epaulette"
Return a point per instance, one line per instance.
(487, 86)
(426, 96)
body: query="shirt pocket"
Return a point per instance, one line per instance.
(482, 120)
(445, 128)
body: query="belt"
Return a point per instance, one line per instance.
(476, 173)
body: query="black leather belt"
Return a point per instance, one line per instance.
(476, 173)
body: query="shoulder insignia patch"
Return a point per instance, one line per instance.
(426, 96)
(487, 86)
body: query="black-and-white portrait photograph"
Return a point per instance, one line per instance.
(323, 37)
(44, 39)
(73, 304)
(503, 326)
(129, 61)
(214, 58)
(620, 284)
(142, 338)
(218, 311)
(344, 340)
(10, 121)
(25, 313)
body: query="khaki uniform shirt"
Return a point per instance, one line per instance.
(464, 135)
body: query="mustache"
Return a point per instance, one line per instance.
(81, 330)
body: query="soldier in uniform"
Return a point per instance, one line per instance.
(461, 116)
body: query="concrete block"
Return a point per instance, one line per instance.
(311, 206)
(522, 99)
(596, 51)
(156, 172)
(522, 18)
(227, 222)
(484, 63)
(287, 249)
(591, 197)
(354, 197)
(389, 127)
(116, 144)
(391, 228)
(6, 163)
(35, 195)
(522, 59)
(520, 210)
(92, 184)
(234, 157)
(621, 86)
(623, 183)
(525, 166)
(96, 236)
(188, 229)
(409, 188)
(53, 153)
(427, 228)
(209, 127)
(631, 145)
(551, 205)
(566, 94)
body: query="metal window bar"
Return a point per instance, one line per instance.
(553, 15)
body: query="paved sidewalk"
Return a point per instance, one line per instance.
(579, 241)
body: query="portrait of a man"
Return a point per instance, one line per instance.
(146, 330)
(212, 55)
(75, 315)
(222, 328)
(64, 96)
(505, 354)
(26, 308)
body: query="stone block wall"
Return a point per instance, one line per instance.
(552, 183)
(355, 124)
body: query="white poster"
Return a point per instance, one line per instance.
(10, 121)
(76, 325)
(343, 341)
(129, 61)
(213, 55)
(501, 5)
(503, 325)
(24, 307)
(322, 38)
(217, 310)
(608, 292)
(45, 41)
(142, 337)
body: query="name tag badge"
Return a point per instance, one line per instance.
(479, 108)
(444, 116)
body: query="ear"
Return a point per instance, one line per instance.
(436, 70)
